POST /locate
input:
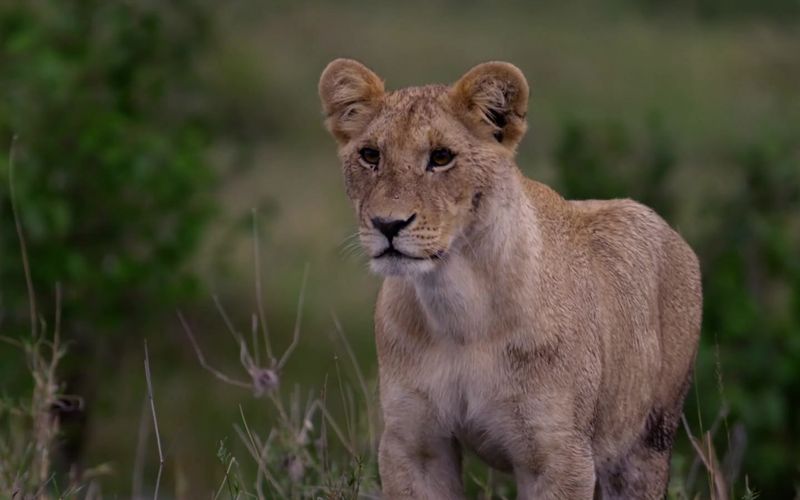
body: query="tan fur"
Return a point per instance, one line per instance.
(553, 338)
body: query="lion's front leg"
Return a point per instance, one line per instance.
(564, 472)
(413, 469)
(552, 458)
(417, 458)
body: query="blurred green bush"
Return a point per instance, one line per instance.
(721, 10)
(111, 178)
(752, 306)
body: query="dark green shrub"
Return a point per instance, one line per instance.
(785, 11)
(605, 160)
(752, 309)
(110, 175)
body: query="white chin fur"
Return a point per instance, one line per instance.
(398, 266)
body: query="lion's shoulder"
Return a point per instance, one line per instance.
(628, 238)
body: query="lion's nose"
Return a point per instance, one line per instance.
(390, 227)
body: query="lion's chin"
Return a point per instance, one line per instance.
(401, 266)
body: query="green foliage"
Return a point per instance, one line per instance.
(722, 10)
(232, 482)
(751, 270)
(110, 178)
(608, 161)
(752, 306)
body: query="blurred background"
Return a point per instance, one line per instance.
(171, 156)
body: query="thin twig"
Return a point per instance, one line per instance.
(46, 397)
(348, 420)
(14, 342)
(262, 455)
(228, 323)
(244, 354)
(138, 463)
(21, 236)
(298, 318)
(258, 455)
(254, 339)
(55, 350)
(202, 359)
(155, 420)
(40, 490)
(721, 388)
(359, 375)
(225, 478)
(255, 447)
(709, 459)
(305, 425)
(93, 491)
(57, 322)
(262, 318)
(278, 404)
(323, 429)
(336, 429)
(697, 462)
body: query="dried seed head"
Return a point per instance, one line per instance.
(295, 468)
(264, 380)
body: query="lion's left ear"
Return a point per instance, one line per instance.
(492, 99)
(351, 94)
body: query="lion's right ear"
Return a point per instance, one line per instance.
(492, 99)
(351, 95)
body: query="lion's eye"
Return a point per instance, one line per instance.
(440, 157)
(370, 156)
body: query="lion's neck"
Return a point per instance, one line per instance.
(485, 284)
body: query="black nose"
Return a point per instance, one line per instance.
(390, 227)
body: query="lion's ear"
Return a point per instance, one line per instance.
(492, 99)
(351, 95)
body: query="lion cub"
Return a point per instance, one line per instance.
(553, 338)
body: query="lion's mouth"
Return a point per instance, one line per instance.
(392, 253)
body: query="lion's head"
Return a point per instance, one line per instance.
(421, 163)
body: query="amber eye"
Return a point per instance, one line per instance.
(440, 157)
(370, 156)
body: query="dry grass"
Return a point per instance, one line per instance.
(29, 428)
(306, 452)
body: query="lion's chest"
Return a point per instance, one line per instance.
(471, 401)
